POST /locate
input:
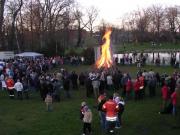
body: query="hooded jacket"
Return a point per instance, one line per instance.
(111, 109)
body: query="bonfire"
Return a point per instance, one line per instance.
(105, 59)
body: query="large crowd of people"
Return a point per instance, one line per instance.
(21, 75)
(103, 83)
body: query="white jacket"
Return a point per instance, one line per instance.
(87, 116)
(18, 86)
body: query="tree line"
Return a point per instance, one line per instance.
(155, 23)
(51, 26)
(44, 25)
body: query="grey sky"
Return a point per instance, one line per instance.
(112, 10)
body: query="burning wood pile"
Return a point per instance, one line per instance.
(105, 60)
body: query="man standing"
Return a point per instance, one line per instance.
(152, 86)
(109, 82)
(74, 78)
(96, 84)
(111, 109)
(101, 101)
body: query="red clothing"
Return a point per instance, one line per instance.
(111, 109)
(10, 83)
(141, 79)
(101, 97)
(165, 92)
(128, 85)
(137, 85)
(174, 98)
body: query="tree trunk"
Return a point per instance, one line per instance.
(17, 41)
(91, 32)
(79, 36)
(13, 29)
(12, 45)
(2, 3)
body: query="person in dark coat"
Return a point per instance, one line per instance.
(123, 83)
(66, 85)
(57, 86)
(116, 81)
(172, 85)
(43, 91)
(158, 78)
(49, 87)
(152, 86)
(102, 82)
(25, 87)
(82, 79)
(74, 78)
(89, 87)
(101, 100)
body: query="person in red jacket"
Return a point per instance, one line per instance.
(10, 87)
(165, 95)
(174, 101)
(128, 88)
(137, 89)
(111, 109)
(142, 88)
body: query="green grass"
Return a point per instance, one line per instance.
(75, 50)
(146, 47)
(131, 47)
(28, 117)
(132, 69)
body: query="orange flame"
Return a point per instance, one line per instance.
(105, 60)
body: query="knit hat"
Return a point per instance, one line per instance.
(83, 103)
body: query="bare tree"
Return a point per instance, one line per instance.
(67, 21)
(142, 20)
(157, 19)
(92, 14)
(129, 25)
(14, 8)
(171, 15)
(81, 24)
(51, 14)
(178, 18)
(2, 4)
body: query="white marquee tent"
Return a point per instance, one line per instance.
(29, 54)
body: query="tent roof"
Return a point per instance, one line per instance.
(29, 54)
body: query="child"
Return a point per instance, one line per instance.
(10, 86)
(19, 88)
(174, 102)
(120, 102)
(83, 104)
(48, 101)
(165, 95)
(128, 88)
(137, 89)
(87, 120)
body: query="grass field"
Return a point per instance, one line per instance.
(28, 117)
(131, 47)
(146, 47)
